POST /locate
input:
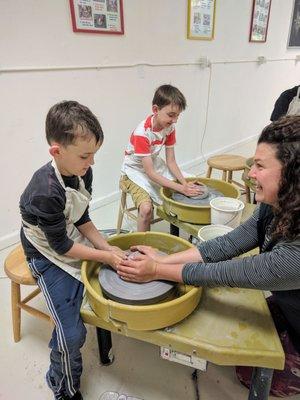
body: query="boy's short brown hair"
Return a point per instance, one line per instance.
(168, 94)
(67, 120)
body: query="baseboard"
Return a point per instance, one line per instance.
(9, 240)
(104, 201)
(14, 237)
(202, 160)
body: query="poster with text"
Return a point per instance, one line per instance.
(97, 16)
(294, 36)
(201, 19)
(260, 20)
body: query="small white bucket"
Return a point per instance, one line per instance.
(209, 232)
(226, 211)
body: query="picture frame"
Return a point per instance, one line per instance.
(97, 16)
(294, 34)
(201, 19)
(260, 21)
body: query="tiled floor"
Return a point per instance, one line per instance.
(137, 371)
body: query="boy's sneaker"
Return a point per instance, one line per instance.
(117, 396)
(77, 396)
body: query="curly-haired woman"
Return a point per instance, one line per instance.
(274, 227)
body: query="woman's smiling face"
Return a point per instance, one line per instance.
(266, 170)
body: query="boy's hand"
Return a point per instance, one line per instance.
(112, 259)
(140, 269)
(148, 251)
(190, 189)
(121, 253)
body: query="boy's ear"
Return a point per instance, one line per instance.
(155, 109)
(54, 149)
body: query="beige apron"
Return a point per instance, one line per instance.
(140, 178)
(76, 204)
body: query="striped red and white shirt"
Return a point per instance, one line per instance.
(145, 141)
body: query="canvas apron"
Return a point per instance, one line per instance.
(294, 106)
(76, 204)
(140, 178)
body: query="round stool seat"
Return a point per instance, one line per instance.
(227, 162)
(16, 267)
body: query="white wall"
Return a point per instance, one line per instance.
(38, 33)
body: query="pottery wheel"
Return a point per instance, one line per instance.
(115, 288)
(210, 194)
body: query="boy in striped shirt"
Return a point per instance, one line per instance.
(143, 170)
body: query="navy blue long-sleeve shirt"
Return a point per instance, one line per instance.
(43, 202)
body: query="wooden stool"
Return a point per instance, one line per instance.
(228, 163)
(129, 211)
(16, 268)
(249, 182)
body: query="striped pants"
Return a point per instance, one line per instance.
(63, 295)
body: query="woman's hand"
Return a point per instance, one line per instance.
(148, 251)
(140, 269)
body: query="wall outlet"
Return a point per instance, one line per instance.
(204, 62)
(261, 60)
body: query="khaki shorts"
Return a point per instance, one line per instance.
(138, 194)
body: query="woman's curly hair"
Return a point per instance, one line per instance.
(284, 135)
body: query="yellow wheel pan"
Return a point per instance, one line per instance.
(196, 214)
(147, 317)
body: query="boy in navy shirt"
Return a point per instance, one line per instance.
(57, 234)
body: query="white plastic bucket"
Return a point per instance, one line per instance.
(226, 211)
(209, 232)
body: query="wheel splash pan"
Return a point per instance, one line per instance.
(141, 317)
(196, 214)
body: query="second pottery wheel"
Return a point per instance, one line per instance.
(117, 289)
(201, 200)
(197, 213)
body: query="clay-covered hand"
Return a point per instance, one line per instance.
(196, 189)
(148, 251)
(191, 189)
(112, 259)
(140, 269)
(121, 253)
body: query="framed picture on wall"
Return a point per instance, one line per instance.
(294, 36)
(260, 20)
(97, 16)
(201, 19)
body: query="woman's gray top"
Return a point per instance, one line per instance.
(278, 269)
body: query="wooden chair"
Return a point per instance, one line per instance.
(228, 163)
(17, 270)
(131, 212)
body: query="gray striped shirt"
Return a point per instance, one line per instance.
(277, 269)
